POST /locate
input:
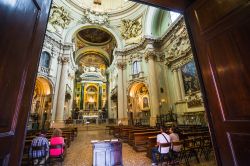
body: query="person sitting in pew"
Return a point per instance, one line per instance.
(175, 149)
(173, 138)
(161, 138)
(57, 139)
(39, 149)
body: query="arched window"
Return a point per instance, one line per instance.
(45, 59)
(136, 67)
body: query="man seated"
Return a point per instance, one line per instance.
(36, 154)
(161, 138)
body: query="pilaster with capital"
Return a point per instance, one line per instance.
(58, 76)
(121, 109)
(62, 90)
(154, 96)
(177, 85)
(181, 84)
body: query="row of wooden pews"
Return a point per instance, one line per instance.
(135, 136)
(68, 134)
(194, 139)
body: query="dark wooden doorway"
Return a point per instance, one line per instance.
(23, 24)
(220, 31)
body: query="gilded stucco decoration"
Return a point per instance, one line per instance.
(59, 19)
(95, 17)
(180, 46)
(194, 100)
(178, 52)
(131, 31)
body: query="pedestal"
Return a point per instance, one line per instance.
(107, 153)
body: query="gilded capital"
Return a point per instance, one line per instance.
(150, 55)
(65, 60)
(121, 65)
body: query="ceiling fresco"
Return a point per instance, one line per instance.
(92, 60)
(95, 36)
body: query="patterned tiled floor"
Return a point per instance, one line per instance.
(80, 151)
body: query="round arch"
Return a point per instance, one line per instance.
(89, 49)
(73, 30)
(138, 99)
(42, 96)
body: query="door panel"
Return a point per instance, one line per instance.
(220, 31)
(23, 24)
(222, 47)
(14, 79)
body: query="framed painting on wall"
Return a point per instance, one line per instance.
(190, 78)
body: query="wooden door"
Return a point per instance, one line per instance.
(22, 29)
(220, 30)
(221, 33)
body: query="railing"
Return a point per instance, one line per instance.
(137, 75)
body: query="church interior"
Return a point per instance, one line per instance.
(108, 66)
(124, 82)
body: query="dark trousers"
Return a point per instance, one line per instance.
(155, 152)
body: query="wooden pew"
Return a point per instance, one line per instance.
(110, 128)
(131, 134)
(118, 130)
(140, 140)
(187, 135)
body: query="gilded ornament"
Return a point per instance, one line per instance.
(131, 29)
(58, 19)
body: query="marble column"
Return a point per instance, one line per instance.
(120, 66)
(177, 85)
(182, 91)
(58, 76)
(153, 88)
(61, 93)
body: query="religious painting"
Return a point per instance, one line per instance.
(145, 103)
(190, 78)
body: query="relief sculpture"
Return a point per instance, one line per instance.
(58, 19)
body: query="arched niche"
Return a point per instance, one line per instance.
(138, 99)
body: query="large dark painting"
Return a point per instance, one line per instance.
(190, 78)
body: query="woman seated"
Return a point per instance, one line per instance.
(57, 139)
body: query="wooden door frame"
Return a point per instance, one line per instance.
(180, 6)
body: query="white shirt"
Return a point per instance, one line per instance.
(161, 139)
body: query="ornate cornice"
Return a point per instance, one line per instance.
(136, 47)
(52, 40)
(177, 62)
